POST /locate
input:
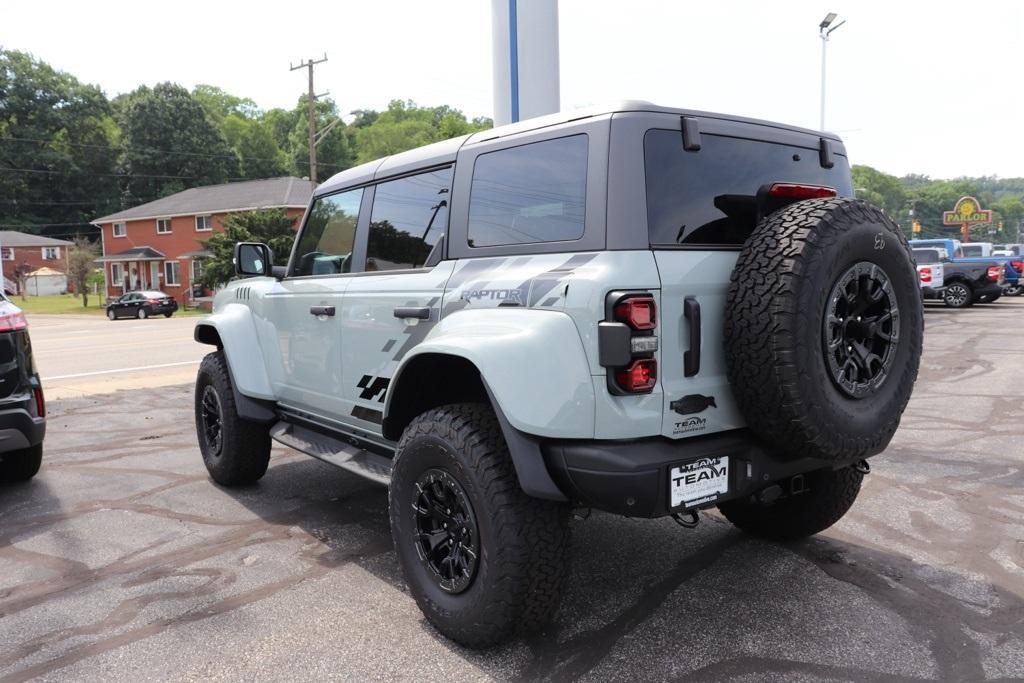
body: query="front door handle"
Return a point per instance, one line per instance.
(321, 310)
(691, 358)
(413, 312)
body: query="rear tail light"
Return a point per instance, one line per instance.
(1018, 266)
(795, 191)
(627, 342)
(13, 321)
(639, 376)
(926, 275)
(638, 312)
(40, 402)
(153, 302)
(994, 272)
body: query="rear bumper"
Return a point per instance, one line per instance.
(632, 477)
(166, 308)
(18, 428)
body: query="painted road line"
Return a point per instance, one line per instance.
(111, 372)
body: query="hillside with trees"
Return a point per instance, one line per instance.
(69, 154)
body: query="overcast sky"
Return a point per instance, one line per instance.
(923, 87)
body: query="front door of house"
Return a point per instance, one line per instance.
(154, 275)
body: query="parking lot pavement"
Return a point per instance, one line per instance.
(122, 561)
(83, 355)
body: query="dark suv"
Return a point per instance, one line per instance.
(22, 407)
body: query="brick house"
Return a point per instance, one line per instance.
(30, 253)
(159, 245)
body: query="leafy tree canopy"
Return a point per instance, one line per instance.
(271, 226)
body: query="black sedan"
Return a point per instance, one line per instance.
(142, 305)
(22, 407)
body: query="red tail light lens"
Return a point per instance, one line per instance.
(40, 402)
(994, 272)
(795, 191)
(926, 275)
(1018, 266)
(13, 321)
(638, 312)
(640, 375)
(154, 302)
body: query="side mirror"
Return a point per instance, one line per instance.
(253, 258)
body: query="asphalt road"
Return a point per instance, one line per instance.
(123, 562)
(80, 355)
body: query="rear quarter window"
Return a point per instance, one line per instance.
(707, 197)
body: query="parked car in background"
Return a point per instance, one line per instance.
(22, 406)
(1014, 249)
(142, 305)
(1012, 266)
(931, 271)
(974, 249)
(963, 284)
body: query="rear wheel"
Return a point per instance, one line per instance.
(958, 295)
(235, 451)
(168, 315)
(827, 496)
(143, 314)
(483, 560)
(1013, 290)
(21, 465)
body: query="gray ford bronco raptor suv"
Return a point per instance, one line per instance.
(644, 310)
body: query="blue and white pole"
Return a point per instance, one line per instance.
(525, 48)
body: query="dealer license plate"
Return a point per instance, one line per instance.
(698, 482)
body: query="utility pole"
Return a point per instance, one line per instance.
(824, 31)
(309, 64)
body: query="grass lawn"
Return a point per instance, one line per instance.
(66, 303)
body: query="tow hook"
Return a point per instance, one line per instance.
(690, 520)
(862, 466)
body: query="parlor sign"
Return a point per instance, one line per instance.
(966, 213)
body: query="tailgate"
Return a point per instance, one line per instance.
(701, 403)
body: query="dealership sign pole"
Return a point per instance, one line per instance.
(966, 213)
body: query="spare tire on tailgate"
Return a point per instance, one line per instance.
(823, 329)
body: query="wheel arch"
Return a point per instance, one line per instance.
(455, 379)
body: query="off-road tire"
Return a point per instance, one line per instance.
(523, 540)
(244, 451)
(21, 465)
(958, 295)
(775, 321)
(142, 314)
(829, 495)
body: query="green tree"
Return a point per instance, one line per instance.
(333, 153)
(171, 144)
(218, 104)
(405, 126)
(81, 256)
(273, 227)
(881, 189)
(57, 145)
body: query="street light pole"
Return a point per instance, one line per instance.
(824, 31)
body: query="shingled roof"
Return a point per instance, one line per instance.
(241, 196)
(12, 238)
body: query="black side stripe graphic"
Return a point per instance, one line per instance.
(370, 389)
(387, 346)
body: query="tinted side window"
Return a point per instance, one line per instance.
(926, 256)
(532, 193)
(325, 246)
(972, 250)
(709, 196)
(408, 219)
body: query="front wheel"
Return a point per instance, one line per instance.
(143, 314)
(483, 560)
(21, 465)
(111, 314)
(958, 295)
(235, 451)
(827, 496)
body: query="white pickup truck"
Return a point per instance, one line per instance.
(930, 269)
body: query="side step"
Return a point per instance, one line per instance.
(334, 451)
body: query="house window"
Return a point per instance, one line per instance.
(51, 253)
(163, 226)
(116, 275)
(7, 253)
(172, 273)
(197, 269)
(204, 223)
(120, 230)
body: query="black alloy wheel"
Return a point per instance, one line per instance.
(446, 534)
(861, 331)
(212, 421)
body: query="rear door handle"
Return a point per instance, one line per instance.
(321, 310)
(691, 358)
(413, 312)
